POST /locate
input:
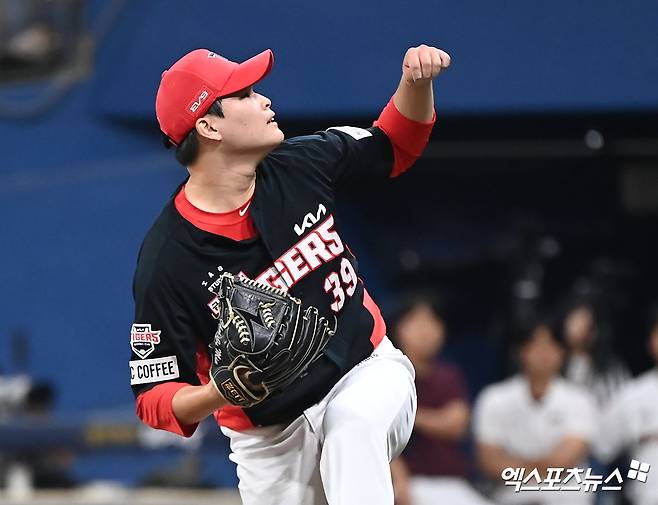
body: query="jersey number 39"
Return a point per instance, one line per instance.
(341, 286)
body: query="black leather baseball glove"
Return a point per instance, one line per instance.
(265, 340)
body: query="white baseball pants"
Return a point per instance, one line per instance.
(338, 452)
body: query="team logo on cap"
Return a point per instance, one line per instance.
(143, 339)
(201, 97)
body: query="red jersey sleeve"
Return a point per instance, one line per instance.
(154, 409)
(408, 137)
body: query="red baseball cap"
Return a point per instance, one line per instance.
(193, 83)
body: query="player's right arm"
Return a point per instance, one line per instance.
(168, 364)
(178, 407)
(192, 404)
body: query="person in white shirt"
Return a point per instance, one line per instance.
(591, 361)
(534, 420)
(630, 422)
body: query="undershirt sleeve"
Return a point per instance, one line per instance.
(154, 409)
(408, 137)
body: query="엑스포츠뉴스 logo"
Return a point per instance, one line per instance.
(143, 339)
(573, 479)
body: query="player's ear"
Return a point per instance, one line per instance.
(208, 128)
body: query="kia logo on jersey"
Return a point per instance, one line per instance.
(143, 339)
(310, 220)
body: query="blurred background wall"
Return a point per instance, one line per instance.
(540, 180)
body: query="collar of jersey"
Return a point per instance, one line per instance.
(196, 215)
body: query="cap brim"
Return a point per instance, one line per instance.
(249, 72)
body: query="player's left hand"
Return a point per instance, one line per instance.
(423, 63)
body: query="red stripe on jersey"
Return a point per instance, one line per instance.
(408, 137)
(236, 224)
(379, 329)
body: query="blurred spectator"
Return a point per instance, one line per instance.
(24, 400)
(591, 362)
(25, 35)
(630, 422)
(14, 390)
(534, 420)
(432, 469)
(50, 468)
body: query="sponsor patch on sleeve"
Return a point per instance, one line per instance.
(144, 371)
(353, 131)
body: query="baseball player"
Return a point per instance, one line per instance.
(248, 303)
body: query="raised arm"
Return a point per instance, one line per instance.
(414, 97)
(409, 116)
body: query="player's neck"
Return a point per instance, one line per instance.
(219, 184)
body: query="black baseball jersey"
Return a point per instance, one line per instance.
(299, 248)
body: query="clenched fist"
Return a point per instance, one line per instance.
(423, 63)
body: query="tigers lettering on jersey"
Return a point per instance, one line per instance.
(318, 247)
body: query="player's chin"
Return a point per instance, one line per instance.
(277, 136)
(272, 142)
